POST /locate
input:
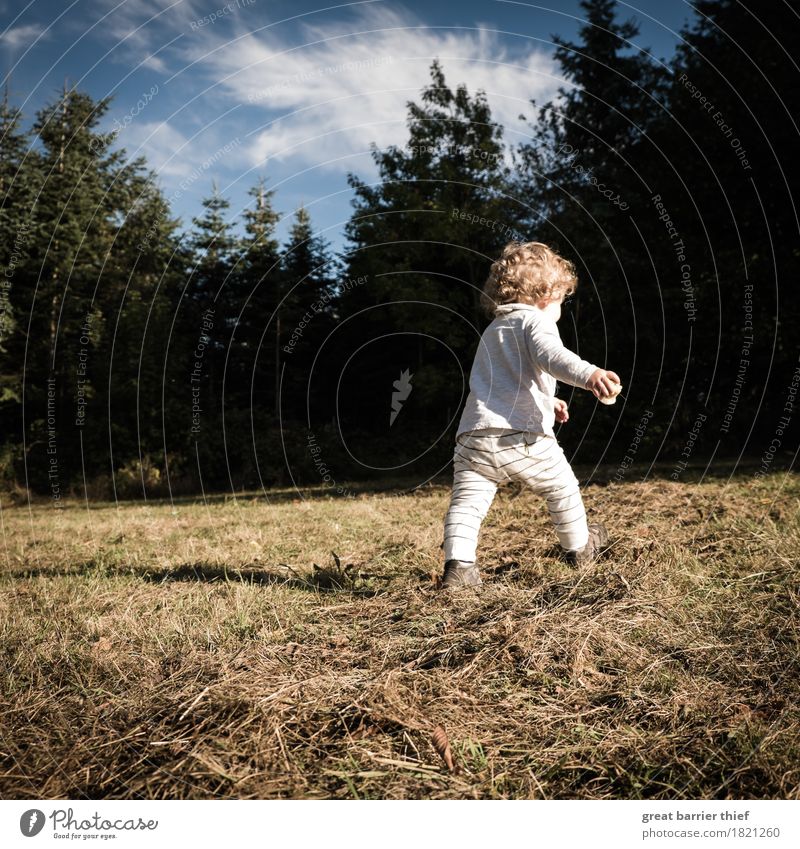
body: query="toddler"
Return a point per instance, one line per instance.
(506, 429)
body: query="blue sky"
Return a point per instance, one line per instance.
(291, 91)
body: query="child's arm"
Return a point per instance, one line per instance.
(552, 356)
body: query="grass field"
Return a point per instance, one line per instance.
(196, 651)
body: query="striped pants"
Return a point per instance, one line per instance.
(485, 458)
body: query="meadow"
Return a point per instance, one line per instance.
(290, 644)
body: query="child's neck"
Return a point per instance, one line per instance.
(551, 309)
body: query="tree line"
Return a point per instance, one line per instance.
(139, 358)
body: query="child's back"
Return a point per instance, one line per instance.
(513, 379)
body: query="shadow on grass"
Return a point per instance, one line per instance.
(348, 579)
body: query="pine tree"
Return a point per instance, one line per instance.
(262, 289)
(148, 270)
(214, 245)
(421, 242)
(254, 302)
(734, 102)
(595, 131)
(306, 315)
(17, 200)
(71, 238)
(18, 177)
(451, 172)
(74, 232)
(306, 265)
(609, 104)
(587, 170)
(260, 224)
(212, 273)
(205, 328)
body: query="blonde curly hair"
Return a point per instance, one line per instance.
(526, 273)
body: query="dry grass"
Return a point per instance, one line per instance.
(195, 651)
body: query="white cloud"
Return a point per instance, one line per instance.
(139, 30)
(20, 36)
(308, 94)
(165, 147)
(343, 85)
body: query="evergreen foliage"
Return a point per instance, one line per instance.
(140, 360)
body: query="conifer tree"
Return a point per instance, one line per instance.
(261, 294)
(18, 176)
(73, 231)
(306, 264)
(214, 245)
(205, 325)
(149, 267)
(734, 102)
(450, 173)
(588, 169)
(214, 258)
(306, 315)
(420, 243)
(254, 304)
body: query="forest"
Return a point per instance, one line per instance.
(141, 357)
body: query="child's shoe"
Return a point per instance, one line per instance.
(460, 574)
(598, 540)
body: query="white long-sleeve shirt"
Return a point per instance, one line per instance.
(513, 379)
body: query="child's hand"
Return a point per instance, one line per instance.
(601, 382)
(560, 408)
